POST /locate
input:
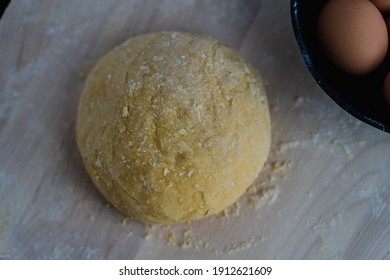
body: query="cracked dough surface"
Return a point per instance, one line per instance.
(173, 127)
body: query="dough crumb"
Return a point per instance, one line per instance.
(231, 211)
(239, 247)
(171, 238)
(125, 112)
(264, 197)
(125, 221)
(98, 164)
(278, 166)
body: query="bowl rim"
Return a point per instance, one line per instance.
(305, 53)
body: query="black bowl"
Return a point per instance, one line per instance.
(362, 95)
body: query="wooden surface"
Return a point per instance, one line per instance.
(323, 194)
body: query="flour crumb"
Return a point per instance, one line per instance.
(298, 101)
(362, 143)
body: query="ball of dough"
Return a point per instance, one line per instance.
(173, 127)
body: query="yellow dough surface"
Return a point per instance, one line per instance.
(173, 126)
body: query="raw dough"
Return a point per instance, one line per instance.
(173, 126)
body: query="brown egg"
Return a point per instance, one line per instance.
(353, 34)
(386, 88)
(382, 5)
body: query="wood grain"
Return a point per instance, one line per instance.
(323, 194)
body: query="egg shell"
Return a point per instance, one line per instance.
(353, 34)
(382, 5)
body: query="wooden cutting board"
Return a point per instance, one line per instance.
(324, 193)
